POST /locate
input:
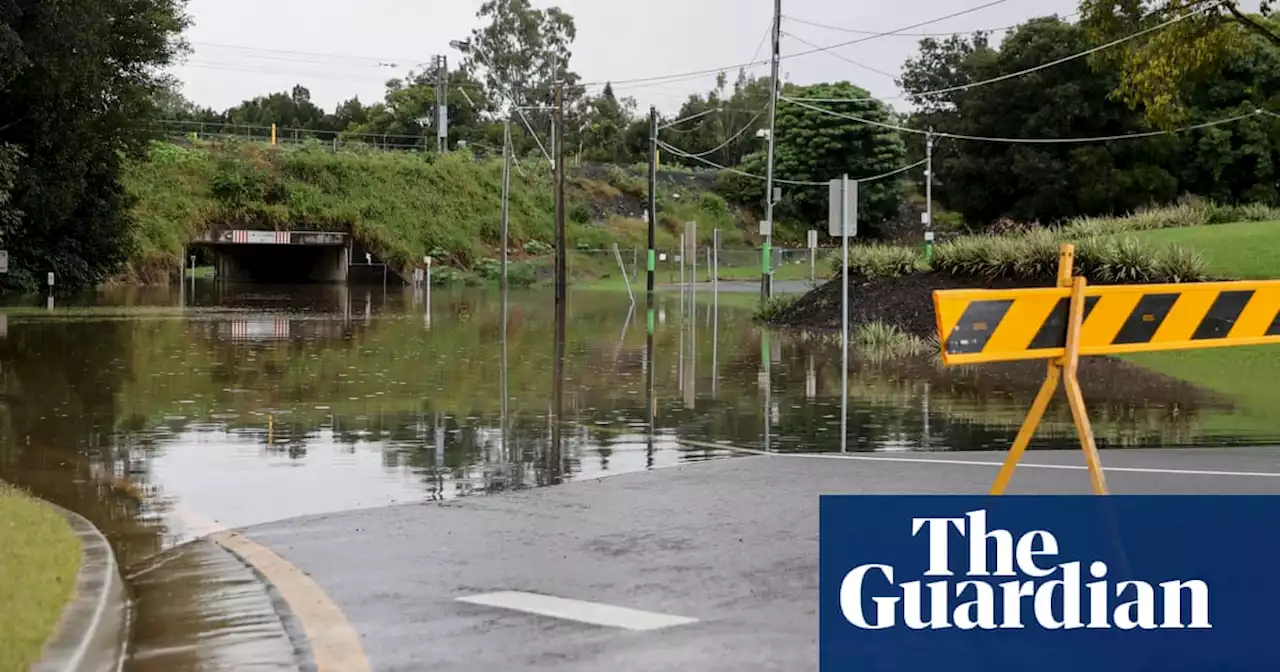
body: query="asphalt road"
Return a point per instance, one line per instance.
(732, 544)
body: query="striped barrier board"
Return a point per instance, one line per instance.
(259, 330)
(977, 326)
(261, 237)
(1063, 323)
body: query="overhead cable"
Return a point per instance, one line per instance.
(855, 31)
(844, 58)
(1029, 141)
(802, 183)
(746, 127)
(1027, 71)
(712, 71)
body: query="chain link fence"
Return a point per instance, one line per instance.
(670, 266)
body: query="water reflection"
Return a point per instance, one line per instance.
(244, 405)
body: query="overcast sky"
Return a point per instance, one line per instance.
(245, 48)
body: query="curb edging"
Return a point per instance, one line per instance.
(92, 634)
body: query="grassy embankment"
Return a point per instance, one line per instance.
(405, 206)
(37, 575)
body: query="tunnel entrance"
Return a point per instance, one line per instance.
(277, 257)
(280, 264)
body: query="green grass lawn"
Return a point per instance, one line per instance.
(1248, 375)
(1240, 251)
(38, 566)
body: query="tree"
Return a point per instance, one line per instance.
(1047, 182)
(726, 133)
(9, 215)
(521, 51)
(816, 147)
(604, 120)
(411, 101)
(73, 113)
(1156, 69)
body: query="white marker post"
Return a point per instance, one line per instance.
(843, 221)
(813, 256)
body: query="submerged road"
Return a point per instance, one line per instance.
(709, 566)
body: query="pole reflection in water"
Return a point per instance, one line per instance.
(765, 382)
(715, 336)
(648, 384)
(504, 430)
(554, 466)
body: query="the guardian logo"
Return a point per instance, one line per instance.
(1039, 589)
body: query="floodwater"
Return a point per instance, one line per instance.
(162, 415)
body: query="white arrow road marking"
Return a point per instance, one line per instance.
(577, 610)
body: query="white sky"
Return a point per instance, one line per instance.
(243, 47)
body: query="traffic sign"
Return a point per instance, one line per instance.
(835, 226)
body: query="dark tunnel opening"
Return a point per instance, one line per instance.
(280, 264)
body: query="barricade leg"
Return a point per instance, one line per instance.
(1074, 396)
(1028, 430)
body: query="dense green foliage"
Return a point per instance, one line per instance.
(1159, 72)
(1051, 182)
(77, 85)
(813, 147)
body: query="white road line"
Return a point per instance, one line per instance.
(577, 610)
(979, 463)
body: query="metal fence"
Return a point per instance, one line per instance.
(670, 266)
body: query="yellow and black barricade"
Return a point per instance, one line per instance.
(1073, 319)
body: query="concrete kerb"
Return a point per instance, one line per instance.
(92, 635)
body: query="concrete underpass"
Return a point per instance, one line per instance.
(288, 257)
(280, 264)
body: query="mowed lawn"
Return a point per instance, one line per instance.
(1241, 251)
(39, 559)
(1248, 375)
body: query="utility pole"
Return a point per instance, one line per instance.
(442, 104)
(928, 195)
(766, 262)
(506, 203)
(561, 241)
(653, 190)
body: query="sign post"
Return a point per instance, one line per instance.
(842, 221)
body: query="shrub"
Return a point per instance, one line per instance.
(1179, 264)
(537, 247)
(580, 213)
(713, 204)
(1128, 261)
(772, 308)
(879, 340)
(879, 261)
(1039, 258)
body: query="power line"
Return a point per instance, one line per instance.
(855, 31)
(1041, 141)
(349, 57)
(713, 71)
(746, 127)
(801, 183)
(1027, 71)
(844, 58)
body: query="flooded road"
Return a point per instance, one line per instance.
(160, 416)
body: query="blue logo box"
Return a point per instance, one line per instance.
(1047, 583)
